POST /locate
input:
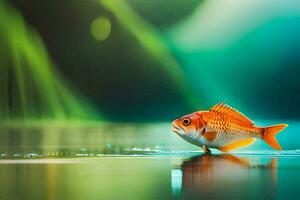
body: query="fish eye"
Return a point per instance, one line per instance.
(186, 121)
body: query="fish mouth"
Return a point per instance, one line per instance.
(177, 129)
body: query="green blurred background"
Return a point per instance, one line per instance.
(145, 61)
(88, 89)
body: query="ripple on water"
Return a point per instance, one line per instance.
(135, 151)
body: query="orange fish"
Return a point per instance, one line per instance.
(224, 128)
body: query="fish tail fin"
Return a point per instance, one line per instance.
(269, 133)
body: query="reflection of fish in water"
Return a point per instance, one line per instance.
(223, 128)
(228, 176)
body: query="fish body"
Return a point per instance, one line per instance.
(224, 128)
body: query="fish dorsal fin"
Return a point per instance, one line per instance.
(223, 108)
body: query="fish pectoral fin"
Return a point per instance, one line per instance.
(210, 135)
(238, 144)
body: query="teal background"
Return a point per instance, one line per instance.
(160, 59)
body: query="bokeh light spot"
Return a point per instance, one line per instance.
(101, 28)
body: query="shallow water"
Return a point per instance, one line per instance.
(127, 161)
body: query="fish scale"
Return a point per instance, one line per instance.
(224, 128)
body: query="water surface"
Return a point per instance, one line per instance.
(114, 161)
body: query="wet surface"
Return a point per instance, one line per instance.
(136, 162)
(152, 177)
